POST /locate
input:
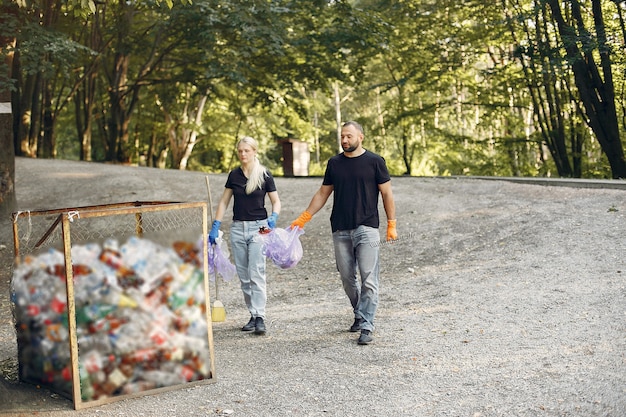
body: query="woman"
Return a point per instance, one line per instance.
(249, 184)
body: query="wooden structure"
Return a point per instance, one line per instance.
(157, 217)
(296, 158)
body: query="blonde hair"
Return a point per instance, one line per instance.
(258, 172)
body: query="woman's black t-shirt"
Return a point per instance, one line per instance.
(248, 207)
(355, 189)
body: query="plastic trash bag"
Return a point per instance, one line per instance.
(219, 258)
(283, 247)
(219, 262)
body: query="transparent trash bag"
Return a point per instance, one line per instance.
(283, 247)
(219, 261)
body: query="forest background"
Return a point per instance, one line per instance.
(500, 88)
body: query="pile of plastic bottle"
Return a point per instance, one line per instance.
(140, 317)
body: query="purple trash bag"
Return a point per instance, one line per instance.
(219, 262)
(283, 247)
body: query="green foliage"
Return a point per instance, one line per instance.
(442, 88)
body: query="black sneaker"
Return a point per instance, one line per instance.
(259, 326)
(249, 326)
(356, 326)
(365, 338)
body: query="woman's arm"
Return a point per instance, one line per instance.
(223, 204)
(275, 200)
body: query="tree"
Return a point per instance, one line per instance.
(595, 84)
(10, 26)
(548, 81)
(8, 202)
(436, 84)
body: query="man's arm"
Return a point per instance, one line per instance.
(316, 204)
(388, 201)
(390, 209)
(319, 199)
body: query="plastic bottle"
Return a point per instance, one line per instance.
(98, 341)
(86, 389)
(91, 361)
(114, 380)
(185, 294)
(163, 379)
(138, 386)
(86, 255)
(148, 260)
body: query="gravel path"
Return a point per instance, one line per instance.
(499, 299)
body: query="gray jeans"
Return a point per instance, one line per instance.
(359, 248)
(247, 247)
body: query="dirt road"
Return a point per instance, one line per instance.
(499, 299)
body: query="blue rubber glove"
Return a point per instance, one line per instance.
(271, 220)
(215, 231)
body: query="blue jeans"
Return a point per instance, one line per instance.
(247, 248)
(359, 248)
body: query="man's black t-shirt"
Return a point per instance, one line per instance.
(248, 207)
(355, 189)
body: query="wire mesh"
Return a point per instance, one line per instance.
(41, 230)
(162, 290)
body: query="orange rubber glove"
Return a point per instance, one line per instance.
(392, 234)
(302, 220)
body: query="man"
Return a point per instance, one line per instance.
(357, 177)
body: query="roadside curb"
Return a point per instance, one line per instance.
(555, 182)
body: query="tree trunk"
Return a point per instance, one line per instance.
(406, 152)
(22, 106)
(8, 202)
(193, 133)
(48, 148)
(83, 107)
(338, 115)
